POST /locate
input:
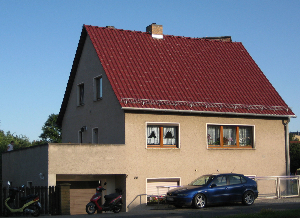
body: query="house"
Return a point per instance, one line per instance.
(144, 110)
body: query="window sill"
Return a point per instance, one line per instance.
(160, 148)
(230, 148)
(98, 99)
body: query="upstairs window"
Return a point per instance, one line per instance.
(159, 136)
(80, 94)
(98, 88)
(230, 136)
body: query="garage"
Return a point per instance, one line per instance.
(83, 187)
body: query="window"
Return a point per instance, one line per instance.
(220, 181)
(233, 180)
(95, 136)
(80, 94)
(159, 136)
(230, 136)
(98, 88)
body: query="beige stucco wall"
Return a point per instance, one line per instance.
(191, 160)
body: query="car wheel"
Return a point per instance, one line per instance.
(248, 198)
(199, 201)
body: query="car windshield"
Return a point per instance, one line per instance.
(203, 180)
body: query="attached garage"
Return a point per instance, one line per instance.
(83, 187)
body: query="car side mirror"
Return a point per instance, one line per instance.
(213, 185)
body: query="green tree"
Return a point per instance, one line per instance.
(294, 156)
(51, 131)
(21, 141)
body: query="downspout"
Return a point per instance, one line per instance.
(287, 146)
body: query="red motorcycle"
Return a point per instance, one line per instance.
(113, 202)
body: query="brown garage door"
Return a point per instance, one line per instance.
(79, 199)
(80, 194)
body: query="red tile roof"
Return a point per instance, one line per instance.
(183, 74)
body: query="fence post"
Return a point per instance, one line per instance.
(65, 198)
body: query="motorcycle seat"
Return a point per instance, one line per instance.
(111, 196)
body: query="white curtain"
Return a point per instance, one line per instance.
(170, 136)
(245, 135)
(213, 135)
(152, 135)
(229, 135)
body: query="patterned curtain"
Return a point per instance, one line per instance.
(152, 135)
(170, 136)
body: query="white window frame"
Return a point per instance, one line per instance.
(163, 124)
(95, 88)
(79, 103)
(220, 124)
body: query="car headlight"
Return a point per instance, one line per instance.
(182, 195)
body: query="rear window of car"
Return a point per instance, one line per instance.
(236, 180)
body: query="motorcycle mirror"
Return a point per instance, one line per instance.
(99, 182)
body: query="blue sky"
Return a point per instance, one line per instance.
(38, 41)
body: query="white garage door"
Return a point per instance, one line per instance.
(158, 187)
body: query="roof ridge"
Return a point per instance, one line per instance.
(212, 39)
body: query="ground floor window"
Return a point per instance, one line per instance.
(226, 136)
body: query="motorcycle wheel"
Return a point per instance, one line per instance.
(117, 208)
(36, 212)
(90, 208)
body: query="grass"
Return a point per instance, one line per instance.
(268, 213)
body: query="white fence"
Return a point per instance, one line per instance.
(277, 186)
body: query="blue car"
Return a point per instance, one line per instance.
(214, 188)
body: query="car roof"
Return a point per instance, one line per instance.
(223, 174)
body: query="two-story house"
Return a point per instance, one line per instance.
(144, 109)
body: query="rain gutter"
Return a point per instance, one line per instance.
(207, 112)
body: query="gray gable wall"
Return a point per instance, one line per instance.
(105, 114)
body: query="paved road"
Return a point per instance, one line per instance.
(209, 212)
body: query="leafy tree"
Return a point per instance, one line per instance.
(294, 156)
(21, 141)
(51, 131)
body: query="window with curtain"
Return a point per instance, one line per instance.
(162, 136)
(230, 136)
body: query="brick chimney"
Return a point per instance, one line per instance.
(155, 30)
